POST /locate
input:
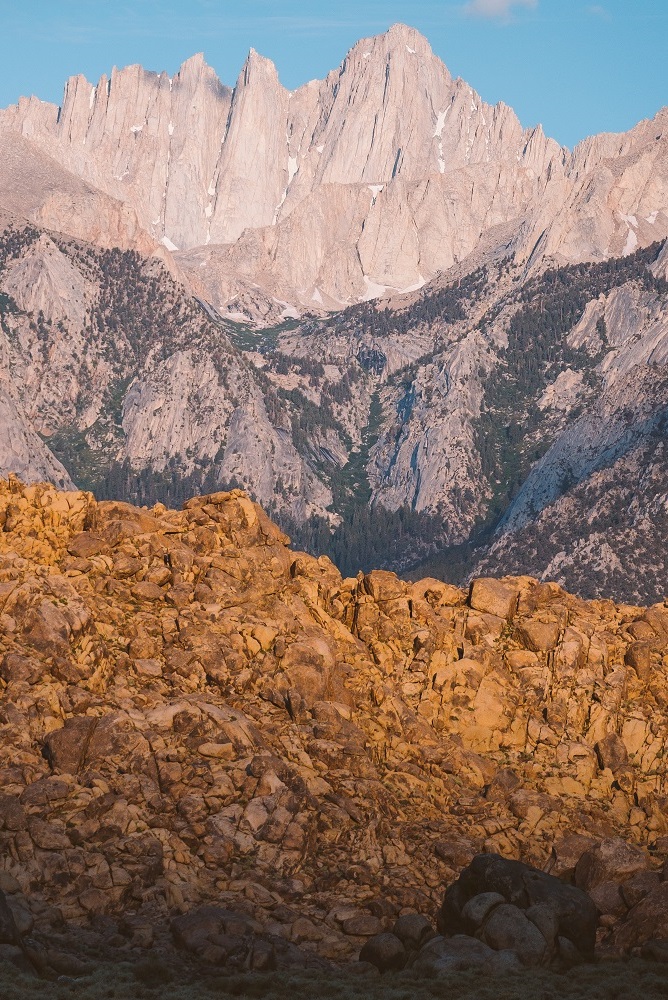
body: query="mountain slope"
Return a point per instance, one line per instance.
(35, 187)
(436, 425)
(521, 389)
(119, 369)
(417, 430)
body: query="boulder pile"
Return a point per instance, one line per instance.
(200, 728)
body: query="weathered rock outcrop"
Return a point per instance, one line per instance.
(193, 715)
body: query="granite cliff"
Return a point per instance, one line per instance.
(374, 179)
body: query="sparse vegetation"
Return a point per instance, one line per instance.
(139, 319)
(512, 432)
(605, 981)
(444, 306)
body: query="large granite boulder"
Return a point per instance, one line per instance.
(511, 906)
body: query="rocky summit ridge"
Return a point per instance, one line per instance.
(214, 744)
(371, 181)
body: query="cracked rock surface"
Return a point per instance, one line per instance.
(213, 743)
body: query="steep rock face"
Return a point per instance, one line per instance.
(390, 128)
(343, 244)
(178, 408)
(251, 174)
(140, 132)
(21, 450)
(45, 281)
(595, 533)
(420, 463)
(633, 409)
(370, 181)
(660, 267)
(617, 199)
(34, 186)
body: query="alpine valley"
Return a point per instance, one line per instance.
(419, 335)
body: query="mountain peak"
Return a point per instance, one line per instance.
(194, 62)
(405, 33)
(195, 68)
(257, 64)
(402, 47)
(388, 157)
(398, 37)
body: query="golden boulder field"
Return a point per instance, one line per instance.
(207, 738)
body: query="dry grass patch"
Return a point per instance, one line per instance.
(152, 980)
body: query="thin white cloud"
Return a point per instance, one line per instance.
(499, 9)
(598, 10)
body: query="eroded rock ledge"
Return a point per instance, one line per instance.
(192, 715)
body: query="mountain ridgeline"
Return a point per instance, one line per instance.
(419, 335)
(528, 358)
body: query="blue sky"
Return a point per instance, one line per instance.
(576, 66)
